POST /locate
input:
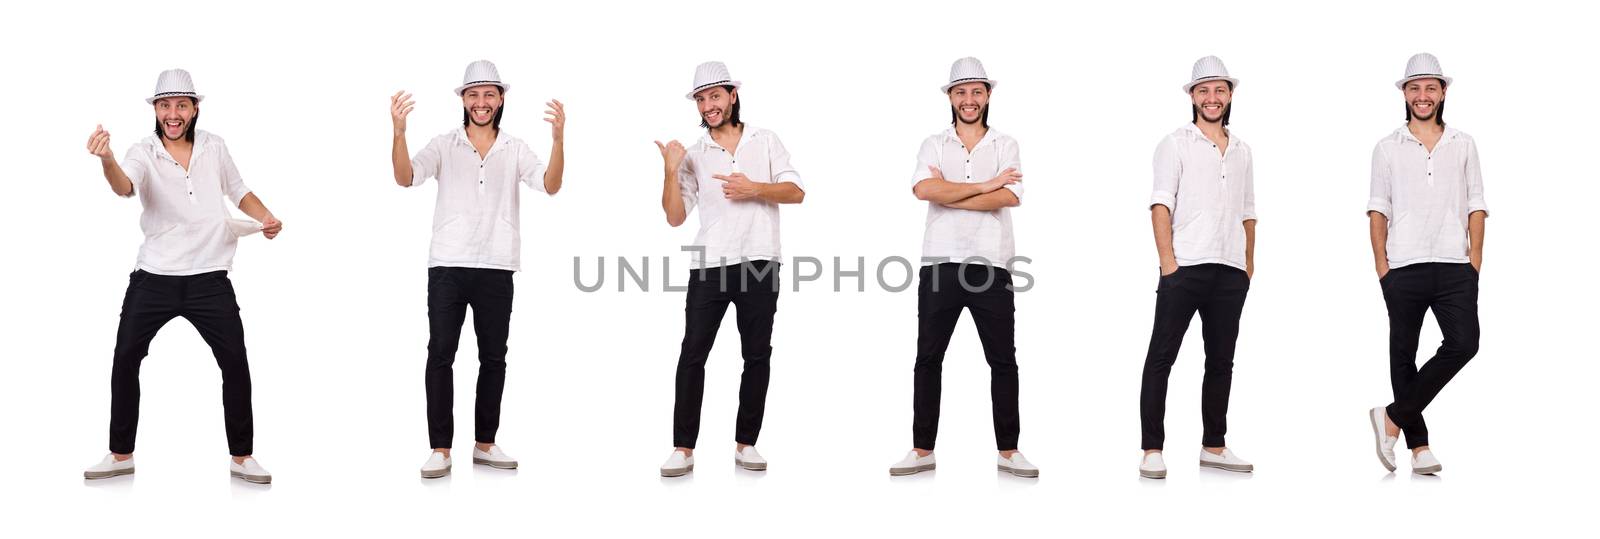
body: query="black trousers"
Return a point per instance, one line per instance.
(752, 288)
(943, 291)
(206, 301)
(1217, 292)
(1451, 290)
(450, 291)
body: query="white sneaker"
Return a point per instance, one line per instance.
(493, 458)
(749, 459)
(677, 464)
(912, 464)
(1423, 463)
(109, 467)
(437, 466)
(1226, 461)
(1017, 465)
(251, 471)
(1153, 466)
(1385, 442)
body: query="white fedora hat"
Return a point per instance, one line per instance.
(1208, 69)
(174, 83)
(967, 70)
(711, 74)
(1422, 66)
(480, 73)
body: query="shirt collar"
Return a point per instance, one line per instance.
(744, 135)
(1194, 131)
(201, 137)
(461, 135)
(988, 137)
(1403, 134)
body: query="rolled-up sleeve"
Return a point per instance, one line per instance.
(426, 163)
(232, 183)
(1474, 179)
(530, 169)
(1249, 213)
(136, 164)
(1381, 199)
(1168, 168)
(1011, 157)
(927, 156)
(782, 169)
(688, 184)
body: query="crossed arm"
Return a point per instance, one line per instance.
(983, 196)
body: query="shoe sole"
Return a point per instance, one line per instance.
(495, 464)
(1152, 474)
(677, 472)
(435, 474)
(257, 479)
(1429, 470)
(107, 475)
(1017, 472)
(752, 466)
(1377, 436)
(1241, 468)
(912, 470)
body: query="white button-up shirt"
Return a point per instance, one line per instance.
(955, 235)
(185, 221)
(476, 222)
(1427, 197)
(1210, 192)
(734, 230)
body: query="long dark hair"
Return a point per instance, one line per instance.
(733, 112)
(983, 119)
(188, 134)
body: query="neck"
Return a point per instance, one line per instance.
(1211, 129)
(964, 129)
(1428, 126)
(477, 132)
(175, 145)
(727, 129)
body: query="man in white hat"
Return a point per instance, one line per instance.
(182, 176)
(476, 247)
(1202, 210)
(970, 175)
(1427, 219)
(737, 175)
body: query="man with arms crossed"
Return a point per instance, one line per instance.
(971, 176)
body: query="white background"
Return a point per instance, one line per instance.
(335, 318)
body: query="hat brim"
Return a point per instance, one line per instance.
(504, 88)
(152, 99)
(1233, 82)
(1402, 82)
(707, 86)
(946, 88)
